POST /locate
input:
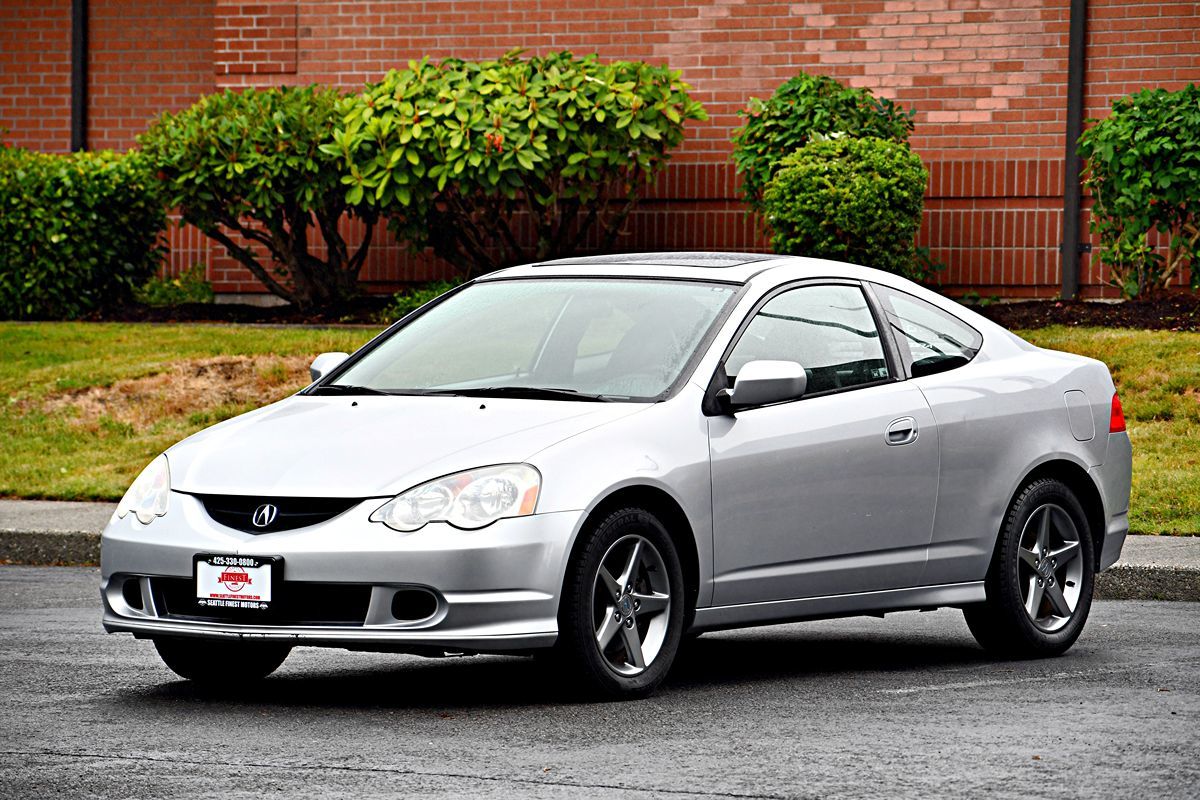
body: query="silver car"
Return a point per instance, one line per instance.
(596, 458)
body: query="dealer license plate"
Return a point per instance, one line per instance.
(234, 582)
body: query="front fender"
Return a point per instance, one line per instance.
(665, 448)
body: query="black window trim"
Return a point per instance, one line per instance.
(905, 364)
(711, 407)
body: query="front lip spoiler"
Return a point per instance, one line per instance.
(333, 636)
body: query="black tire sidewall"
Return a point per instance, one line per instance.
(220, 662)
(1004, 591)
(577, 643)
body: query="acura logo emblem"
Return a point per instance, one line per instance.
(264, 515)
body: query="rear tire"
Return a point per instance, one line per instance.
(1039, 585)
(622, 610)
(221, 663)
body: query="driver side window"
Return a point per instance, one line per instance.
(828, 329)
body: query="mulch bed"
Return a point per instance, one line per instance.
(1176, 312)
(364, 311)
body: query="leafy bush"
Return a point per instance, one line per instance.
(413, 298)
(1143, 170)
(188, 286)
(247, 169)
(855, 200)
(804, 105)
(519, 159)
(76, 232)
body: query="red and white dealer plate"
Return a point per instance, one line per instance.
(234, 582)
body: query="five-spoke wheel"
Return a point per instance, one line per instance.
(631, 604)
(1050, 569)
(1039, 585)
(622, 610)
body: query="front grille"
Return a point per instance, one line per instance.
(238, 511)
(292, 603)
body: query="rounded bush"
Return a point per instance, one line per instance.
(77, 232)
(856, 200)
(496, 162)
(804, 105)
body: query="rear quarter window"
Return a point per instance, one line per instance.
(930, 340)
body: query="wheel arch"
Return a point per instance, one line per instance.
(660, 503)
(1083, 486)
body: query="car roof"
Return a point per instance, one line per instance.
(767, 270)
(711, 266)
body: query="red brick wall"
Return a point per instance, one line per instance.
(987, 79)
(144, 58)
(35, 75)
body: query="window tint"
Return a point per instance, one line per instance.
(828, 330)
(930, 340)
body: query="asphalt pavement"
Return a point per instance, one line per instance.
(905, 706)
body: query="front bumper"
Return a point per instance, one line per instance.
(496, 589)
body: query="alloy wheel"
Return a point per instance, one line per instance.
(631, 603)
(1049, 567)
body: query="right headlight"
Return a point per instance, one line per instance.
(150, 493)
(470, 500)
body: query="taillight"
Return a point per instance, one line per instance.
(1116, 419)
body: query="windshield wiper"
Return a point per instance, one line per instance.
(530, 392)
(343, 388)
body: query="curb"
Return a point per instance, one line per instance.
(53, 549)
(1119, 582)
(1127, 582)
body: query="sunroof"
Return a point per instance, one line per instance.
(680, 259)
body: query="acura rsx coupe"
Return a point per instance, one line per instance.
(595, 458)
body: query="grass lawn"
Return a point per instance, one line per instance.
(89, 404)
(1158, 377)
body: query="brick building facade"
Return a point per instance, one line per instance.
(987, 78)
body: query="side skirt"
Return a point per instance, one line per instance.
(841, 605)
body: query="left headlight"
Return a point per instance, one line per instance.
(469, 500)
(149, 494)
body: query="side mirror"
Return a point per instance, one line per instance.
(761, 383)
(325, 362)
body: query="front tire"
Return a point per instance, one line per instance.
(622, 610)
(221, 663)
(1039, 585)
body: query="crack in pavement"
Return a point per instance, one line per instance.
(398, 771)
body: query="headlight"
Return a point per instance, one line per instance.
(470, 499)
(149, 494)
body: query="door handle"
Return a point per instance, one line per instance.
(901, 431)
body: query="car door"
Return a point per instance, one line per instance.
(833, 493)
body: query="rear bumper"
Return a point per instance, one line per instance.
(1114, 478)
(496, 589)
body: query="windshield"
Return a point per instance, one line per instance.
(561, 338)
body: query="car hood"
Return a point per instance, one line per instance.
(372, 446)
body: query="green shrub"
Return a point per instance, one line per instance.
(850, 199)
(247, 169)
(807, 104)
(77, 232)
(413, 298)
(188, 286)
(1143, 171)
(519, 159)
